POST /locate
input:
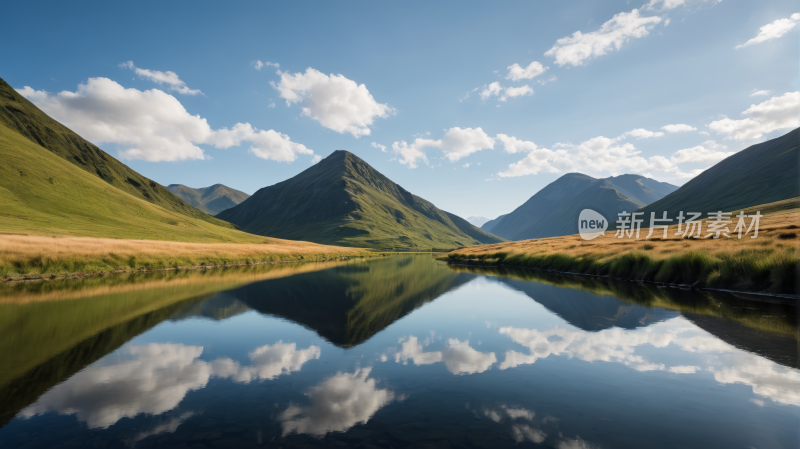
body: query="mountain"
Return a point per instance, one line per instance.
(343, 200)
(763, 173)
(489, 225)
(21, 116)
(477, 220)
(554, 210)
(211, 200)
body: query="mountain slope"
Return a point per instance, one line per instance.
(211, 200)
(343, 200)
(41, 193)
(762, 173)
(554, 210)
(489, 225)
(20, 115)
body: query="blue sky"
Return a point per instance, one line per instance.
(390, 73)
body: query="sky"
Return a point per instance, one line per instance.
(474, 106)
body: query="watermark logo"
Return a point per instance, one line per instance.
(591, 224)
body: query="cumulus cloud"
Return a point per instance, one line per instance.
(337, 404)
(516, 72)
(707, 153)
(575, 50)
(773, 30)
(337, 103)
(169, 78)
(378, 146)
(495, 89)
(665, 4)
(458, 357)
(166, 427)
(522, 432)
(261, 64)
(777, 113)
(456, 143)
(152, 125)
(514, 92)
(761, 93)
(678, 128)
(268, 362)
(640, 133)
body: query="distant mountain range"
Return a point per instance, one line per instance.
(211, 200)
(763, 173)
(477, 220)
(342, 200)
(554, 210)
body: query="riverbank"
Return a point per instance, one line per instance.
(49, 257)
(768, 263)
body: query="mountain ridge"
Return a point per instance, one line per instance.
(212, 199)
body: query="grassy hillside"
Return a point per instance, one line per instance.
(41, 193)
(767, 263)
(554, 210)
(763, 173)
(21, 116)
(342, 200)
(211, 200)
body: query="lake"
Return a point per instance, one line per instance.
(397, 352)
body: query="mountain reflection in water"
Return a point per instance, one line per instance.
(394, 352)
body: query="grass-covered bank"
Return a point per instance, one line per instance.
(26, 257)
(768, 263)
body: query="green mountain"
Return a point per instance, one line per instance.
(342, 200)
(554, 210)
(763, 173)
(21, 116)
(211, 200)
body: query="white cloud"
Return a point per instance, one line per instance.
(517, 72)
(268, 362)
(457, 143)
(337, 404)
(167, 427)
(707, 153)
(773, 30)
(151, 125)
(575, 443)
(522, 432)
(665, 4)
(640, 133)
(493, 89)
(678, 128)
(514, 92)
(684, 369)
(774, 114)
(316, 159)
(261, 64)
(378, 146)
(337, 103)
(169, 78)
(761, 93)
(513, 145)
(575, 50)
(458, 357)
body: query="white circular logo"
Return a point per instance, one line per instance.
(591, 224)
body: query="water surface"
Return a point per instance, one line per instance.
(396, 352)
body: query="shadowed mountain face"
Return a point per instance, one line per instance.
(554, 210)
(763, 173)
(211, 200)
(21, 116)
(342, 200)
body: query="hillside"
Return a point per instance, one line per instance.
(489, 225)
(554, 210)
(42, 193)
(21, 116)
(342, 200)
(763, 173)
(211, 200)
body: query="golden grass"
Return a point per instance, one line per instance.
(765, 263)
(41, 256)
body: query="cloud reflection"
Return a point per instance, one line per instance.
(459, 357)
(155, 378)
(337, 404)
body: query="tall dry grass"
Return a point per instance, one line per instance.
(40, 256)
(766, 263)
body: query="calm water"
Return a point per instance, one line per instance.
(397, 352)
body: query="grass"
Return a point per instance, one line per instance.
(45, 257)
(765, 264)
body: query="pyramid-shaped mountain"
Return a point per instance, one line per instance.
(211, 200)
(554, 210)
(342, 200)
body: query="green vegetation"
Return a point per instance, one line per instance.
(21, 117)
(554, 210)
(211, 200)
(343, 201)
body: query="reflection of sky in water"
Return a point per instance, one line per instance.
(515, 365)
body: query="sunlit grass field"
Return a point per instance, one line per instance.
(767, 263)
